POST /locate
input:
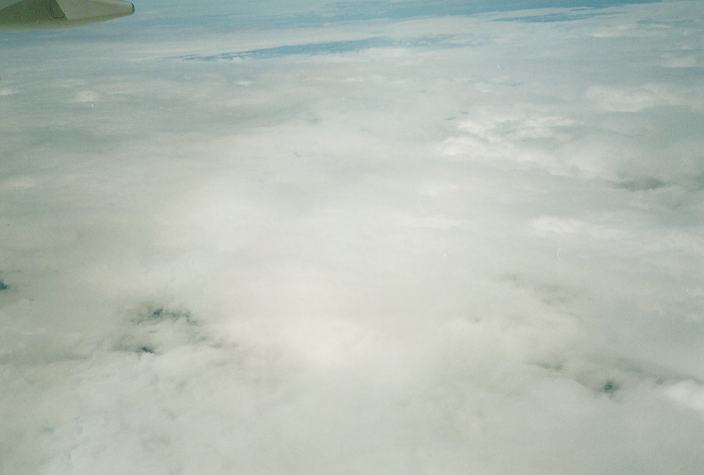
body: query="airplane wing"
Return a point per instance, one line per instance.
(20, 14)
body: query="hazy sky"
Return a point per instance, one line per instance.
(383, 237)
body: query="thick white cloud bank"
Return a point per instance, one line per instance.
(440, 245)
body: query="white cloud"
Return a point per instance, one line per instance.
(633, 99)
(407, 260)
(89, 97)
(687, 393)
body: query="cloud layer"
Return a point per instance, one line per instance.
(348, 249)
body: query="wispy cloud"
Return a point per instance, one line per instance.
(332, 47)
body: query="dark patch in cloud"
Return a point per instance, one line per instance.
(610, 387)
(551, 366)
(595, 382)
(609, 375)
(165, 314)
(158, 329)
(3, 285)
(138, 348)
(642, 184)
(607, 386)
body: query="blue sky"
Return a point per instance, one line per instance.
(314, 13)
(271, 14)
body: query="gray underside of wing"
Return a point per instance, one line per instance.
(60, 13)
